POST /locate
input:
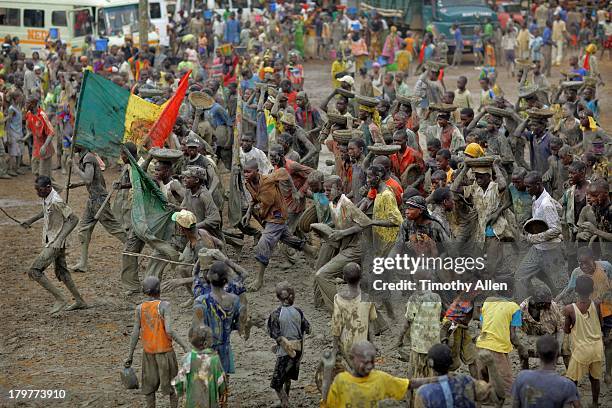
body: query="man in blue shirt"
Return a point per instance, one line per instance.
(222, 123)
(547, 48)
(544, 387)
(458, 54)
(232, 30)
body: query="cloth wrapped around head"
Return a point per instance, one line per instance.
(375, 115)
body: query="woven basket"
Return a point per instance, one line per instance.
(165, 154)
(345, 93)
(366, 101)
(201, 100)
(442, 107)
(342, 136)
(485, 161)
(407, 100)
(336, 118)
(540, 113)
(384, 150)
(498, 112)
(571, 84)
(308, 217)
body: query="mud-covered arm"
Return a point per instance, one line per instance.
(134, 337)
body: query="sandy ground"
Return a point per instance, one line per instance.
(82, 352)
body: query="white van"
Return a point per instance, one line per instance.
(33, 21)
(120, 17)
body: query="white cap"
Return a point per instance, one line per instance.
(348, 79)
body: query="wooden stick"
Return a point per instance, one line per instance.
(9, 216)
(74, 135)
(108, 197)
(156, 258)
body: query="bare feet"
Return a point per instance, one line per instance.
(255, 286)
(79, 268)
(79, 304)
(58, 306)
(186, 304)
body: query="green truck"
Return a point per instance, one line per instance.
(416, 15)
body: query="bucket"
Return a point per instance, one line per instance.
(128, 378)
(332, 55)
(53, 33)
(208, 15)
(101, 44)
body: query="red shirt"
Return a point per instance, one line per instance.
(291, 97)
(396, 188)
(41, 129)
(400, 162)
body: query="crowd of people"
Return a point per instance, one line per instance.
(417, 171)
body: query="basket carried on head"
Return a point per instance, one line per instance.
(442, 107)
(407, 100)
(380, 149)
(336, 118)
(344, 136)
(523, 62)
(345, 93)
(164, 154)
(495, 111)
(571, 84)
(201, 100)
(366, 101)
(484, 161)
(540, 114)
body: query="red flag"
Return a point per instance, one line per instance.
(165, 122)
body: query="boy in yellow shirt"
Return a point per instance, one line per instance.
(501, 318)
(365, 386)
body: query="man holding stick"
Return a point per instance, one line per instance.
(88, 169)
(59, 221)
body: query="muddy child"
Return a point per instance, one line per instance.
(201, 378)
(152, 325)
(59, 221)
(287, 326)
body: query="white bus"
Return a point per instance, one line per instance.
(32, 21)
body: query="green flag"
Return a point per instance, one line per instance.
(151, 217)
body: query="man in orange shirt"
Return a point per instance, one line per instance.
(406, 157)
(152, 324)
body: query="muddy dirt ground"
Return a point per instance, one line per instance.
(82, 352)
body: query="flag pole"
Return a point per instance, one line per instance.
(74, 134)
(235, 195)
